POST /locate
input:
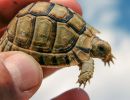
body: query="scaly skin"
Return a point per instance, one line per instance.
(87, 69)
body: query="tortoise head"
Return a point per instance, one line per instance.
(101, 49)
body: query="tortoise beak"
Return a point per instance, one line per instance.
(109, 58)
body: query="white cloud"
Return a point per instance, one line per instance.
(101, 13)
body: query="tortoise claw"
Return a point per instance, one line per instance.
(84, 84)
(108, 59)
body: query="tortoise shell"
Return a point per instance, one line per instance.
(47, 31)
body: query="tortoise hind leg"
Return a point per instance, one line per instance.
(86, 73)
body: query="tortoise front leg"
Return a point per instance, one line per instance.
(86, 72)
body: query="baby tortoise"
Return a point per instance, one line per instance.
(56, 36)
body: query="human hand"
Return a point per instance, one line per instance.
(21, 75)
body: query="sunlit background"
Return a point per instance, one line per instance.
(112, 18)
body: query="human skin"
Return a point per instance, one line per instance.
(21, 75)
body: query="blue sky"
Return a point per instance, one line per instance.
(124, 18)
(121, 9)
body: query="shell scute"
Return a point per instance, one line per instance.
(8, 46)
(3, 44)
(77, 24)
(41, 8)
(60, 13)
(25, 10)
(44, 34)
(11, 29)
(66, 38)
(24, 31)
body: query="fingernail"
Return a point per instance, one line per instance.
(25, 71)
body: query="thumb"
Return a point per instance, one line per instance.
(25, 72)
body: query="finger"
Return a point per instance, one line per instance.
(73, 94)
(2, 24)
(25, 71)
(7, 88)
(11, 7)
(2, 30)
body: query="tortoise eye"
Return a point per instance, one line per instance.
(101, 48)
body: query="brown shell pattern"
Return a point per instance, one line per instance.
(47, 31)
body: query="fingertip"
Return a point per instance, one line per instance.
(7, 88)
(73, 94)
(25, 71)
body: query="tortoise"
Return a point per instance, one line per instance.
(56, 36)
